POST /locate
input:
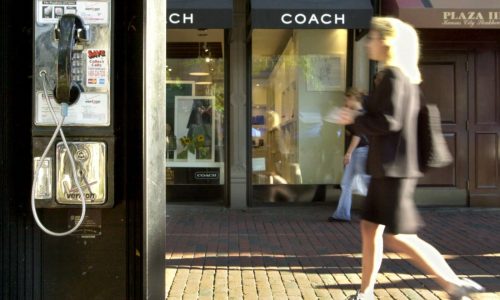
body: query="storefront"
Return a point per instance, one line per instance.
(196, 90)
(302, 56)
(461, 73)
(226, 75)
(262, 65)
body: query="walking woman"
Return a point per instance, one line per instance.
(389, 216)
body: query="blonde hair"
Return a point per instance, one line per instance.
(354, 92)
(403, 44)
(273, 119)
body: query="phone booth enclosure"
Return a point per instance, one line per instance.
(93, 262)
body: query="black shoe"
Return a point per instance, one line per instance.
(358, 296)
(332, 219)
(354, 297)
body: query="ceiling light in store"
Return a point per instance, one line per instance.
(200, 68)
(206, 53)
(206, 80)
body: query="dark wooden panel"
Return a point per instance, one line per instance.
(445, 84)
(439, 91)
(484, 132)
(486, 104)
(497, 86)
(443, 176)
(478, 99)
(487, 160)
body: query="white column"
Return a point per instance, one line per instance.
(238, 109)
(154, 120)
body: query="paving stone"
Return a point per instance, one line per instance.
(292, 253)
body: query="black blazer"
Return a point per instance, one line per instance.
(390, 122)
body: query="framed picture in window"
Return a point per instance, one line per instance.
(325, 72)
(195, 127)
(176, 88)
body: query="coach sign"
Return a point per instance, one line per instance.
(311, 13)
(199, 13)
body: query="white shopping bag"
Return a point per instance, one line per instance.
(359, 185)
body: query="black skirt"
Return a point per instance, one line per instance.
(390, 202)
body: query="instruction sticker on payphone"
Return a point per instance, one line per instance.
(72, 90)
(89, 61)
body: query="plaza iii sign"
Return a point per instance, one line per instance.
(468, 18)
(452, 18)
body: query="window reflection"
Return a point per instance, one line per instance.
(298, 76)
(195, 107)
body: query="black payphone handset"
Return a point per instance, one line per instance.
(68, 31)
(72, 46)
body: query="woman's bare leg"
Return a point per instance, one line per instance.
(372, 251)
(424, 256)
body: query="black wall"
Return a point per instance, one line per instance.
(37, 266)
(129, 51)
(20, 243)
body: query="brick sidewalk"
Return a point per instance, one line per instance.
(293, 253)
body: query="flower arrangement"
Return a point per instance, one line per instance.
(195, 146)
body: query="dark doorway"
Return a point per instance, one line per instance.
(445, 84)
(463, 78)
(484, 126)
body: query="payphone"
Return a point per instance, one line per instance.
(72, 131)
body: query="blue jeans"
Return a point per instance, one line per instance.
(357, 166)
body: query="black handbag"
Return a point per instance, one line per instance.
(433, 151)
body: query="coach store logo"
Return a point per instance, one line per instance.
(206, 175)
(471, 18)
(312, 18)
(184, 18)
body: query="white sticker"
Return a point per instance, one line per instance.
(92, 109)
(92, 12)
(97, 68)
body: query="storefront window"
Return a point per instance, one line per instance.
(195, 134)
(298, 76)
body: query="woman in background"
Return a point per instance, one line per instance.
(354, 161)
